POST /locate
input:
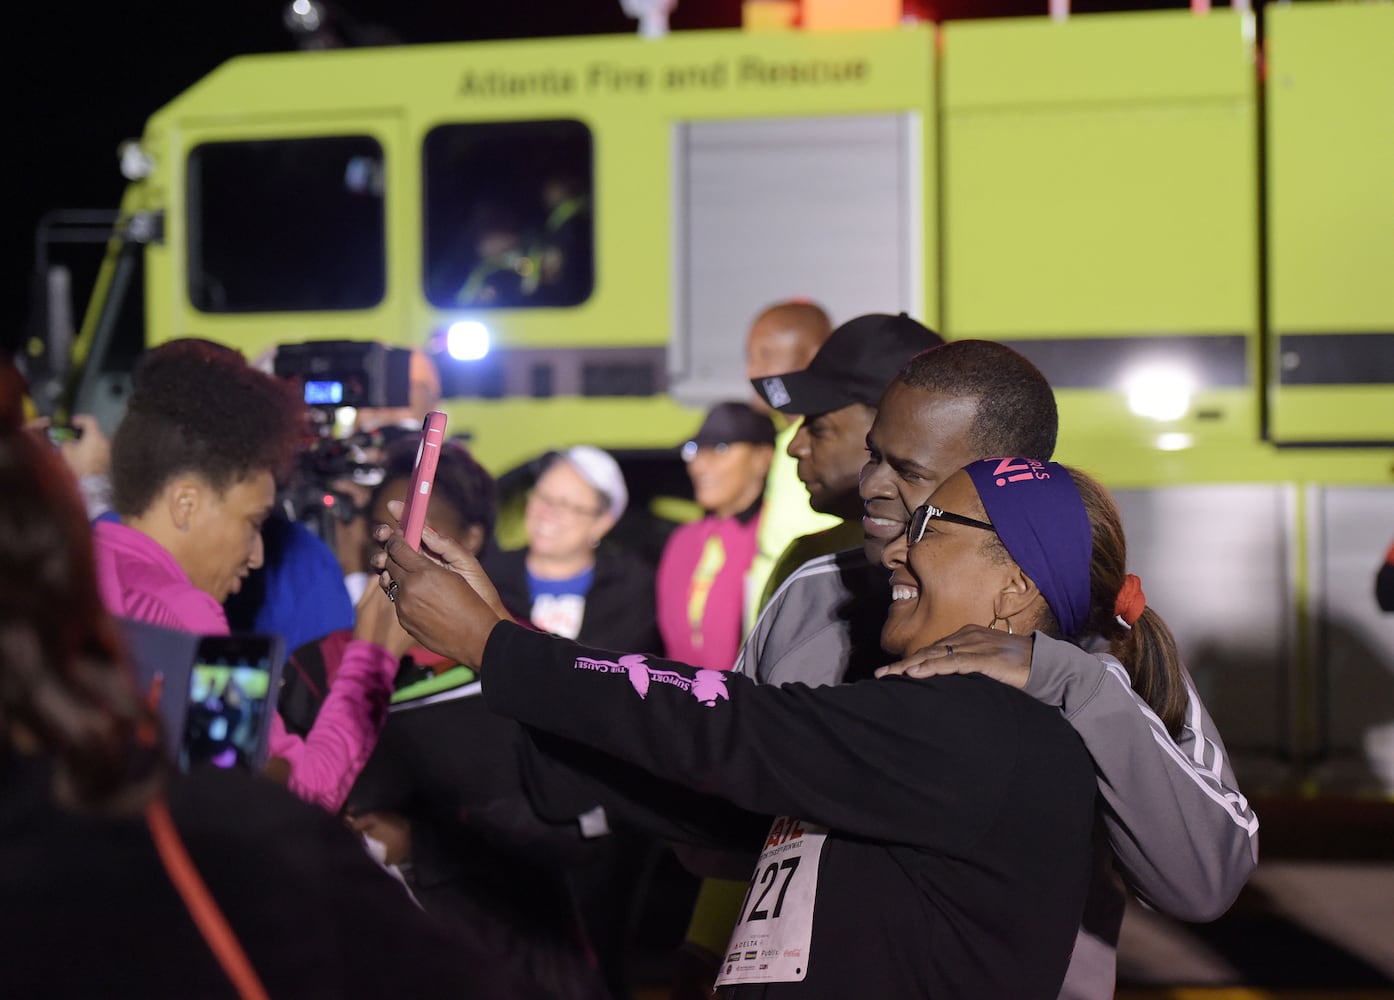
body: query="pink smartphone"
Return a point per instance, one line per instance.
(422, 477)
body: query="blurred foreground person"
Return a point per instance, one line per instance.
(118, 878)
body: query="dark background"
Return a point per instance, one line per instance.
(89, 76)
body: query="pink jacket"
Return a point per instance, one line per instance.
(139, 579)
(701, 589)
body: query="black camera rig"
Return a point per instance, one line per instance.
(336, 374)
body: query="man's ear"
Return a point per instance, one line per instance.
(1018, 597)
(183, 498)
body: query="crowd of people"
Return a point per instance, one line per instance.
(897, 669)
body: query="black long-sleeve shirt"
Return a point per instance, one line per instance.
(958, 810)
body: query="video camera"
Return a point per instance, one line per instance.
(348, 372)
(336, 374)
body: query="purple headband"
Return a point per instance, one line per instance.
(1041, 520)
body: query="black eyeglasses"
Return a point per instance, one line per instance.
(920, 519)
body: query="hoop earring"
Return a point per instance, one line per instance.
(998, 618)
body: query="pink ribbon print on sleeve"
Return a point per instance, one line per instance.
(707, 686)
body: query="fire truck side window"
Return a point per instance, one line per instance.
(508, 215)
(287, 225)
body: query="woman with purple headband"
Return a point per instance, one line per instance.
(934, 835)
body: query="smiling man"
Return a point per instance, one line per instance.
(836, 395)
(949, 406)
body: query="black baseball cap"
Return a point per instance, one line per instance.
(732, 423)
(856, 364)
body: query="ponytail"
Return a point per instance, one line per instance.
(1146, 648)
(1148, 651)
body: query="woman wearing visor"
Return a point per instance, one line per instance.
(934, 835)
(701, 577)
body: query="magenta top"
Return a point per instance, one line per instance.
(701, 589)
(139, 579)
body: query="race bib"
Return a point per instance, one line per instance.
(770, 943)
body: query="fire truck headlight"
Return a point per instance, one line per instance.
(467, 340)
(1159, 392)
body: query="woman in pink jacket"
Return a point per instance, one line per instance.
(194, 467)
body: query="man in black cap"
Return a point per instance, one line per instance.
(837, 396)
(701, 577)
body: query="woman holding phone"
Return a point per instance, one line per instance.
(935, 835)
(194, 466)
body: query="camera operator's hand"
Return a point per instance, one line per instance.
(375, 620)
(90, 454)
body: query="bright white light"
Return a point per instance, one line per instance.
(304, 16)
(1159, 392)
(467, 340)
(344, 419)
(136, 163)
(1174, 441)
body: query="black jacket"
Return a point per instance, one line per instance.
(620, 611)
(959, 810)
(87, 909)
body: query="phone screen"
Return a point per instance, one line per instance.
(229, 703)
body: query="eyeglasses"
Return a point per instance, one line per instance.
(689, 450)
(561, 506)
(920, 519)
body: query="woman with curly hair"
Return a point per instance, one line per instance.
(194, 465)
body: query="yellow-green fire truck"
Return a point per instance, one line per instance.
(1188, 227)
